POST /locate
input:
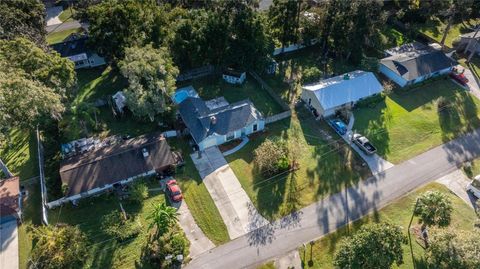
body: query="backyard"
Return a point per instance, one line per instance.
(57, 37)
(399, 212)
(212, 87)
(19, 152)
(411, 121)
(326, 165)
(434, 29)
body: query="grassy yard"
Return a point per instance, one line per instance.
(67, 15)
(209, 88)
(19, 153)
(326, 167)
(435, 28)
(398, 212)
(57, 37)
(409, 122)
(198, 199)
(94, 84)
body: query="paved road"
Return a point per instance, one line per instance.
(335, 211)
(9, 245)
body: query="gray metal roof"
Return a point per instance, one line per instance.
(203, 122)
(412, 65)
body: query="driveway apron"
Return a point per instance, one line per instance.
(9, 245)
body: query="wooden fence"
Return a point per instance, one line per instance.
(270, 91)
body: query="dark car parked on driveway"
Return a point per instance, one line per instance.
(363, 143)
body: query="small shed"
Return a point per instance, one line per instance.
(119, 101)
(233, 76)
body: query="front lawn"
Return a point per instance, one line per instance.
(197, 197)
(409, 122)
(326, 167)
(435, 28)
(67, 15)
(399, 213)
(210, 88)
(19, 153)
(58, 37)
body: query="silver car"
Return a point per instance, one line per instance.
(363, 143)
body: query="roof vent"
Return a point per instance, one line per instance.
(145, 153)
(213, 120)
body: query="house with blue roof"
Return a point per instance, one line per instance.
(214, 122)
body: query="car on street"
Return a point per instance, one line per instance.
(459, 77)
(173, 191)
(338, 126)
(474, 187)
(363, 143)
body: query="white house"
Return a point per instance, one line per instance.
(75, 49)
(216, 121)
(234, 77)
(330, 95)
(474, 41)
(415, 65)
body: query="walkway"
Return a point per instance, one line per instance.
(9, 245)
(199, 243)
(237, 148)
(233, 203)
(457, 183)
(335, 211)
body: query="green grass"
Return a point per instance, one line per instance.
(67, 15)
(31, 216)
(408, 122)
(435, 28)
(399, 212)
(213, 88)
(268, 265)
(57, 37)
(19, 152)
(198, 199)
(94, 84)
(324, 169)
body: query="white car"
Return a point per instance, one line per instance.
(474, 186)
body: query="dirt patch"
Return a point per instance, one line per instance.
(230, 145)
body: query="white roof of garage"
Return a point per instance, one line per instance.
(337, 91)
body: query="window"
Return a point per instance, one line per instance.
(230, 136)
(309, 101)
(255, 127)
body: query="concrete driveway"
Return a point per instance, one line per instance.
(9, 245)
(52, 15)
(237, 211)
(199, 243)
(457, 182)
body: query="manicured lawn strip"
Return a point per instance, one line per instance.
(105, 251)
(435, 28)
(57, 37)
(100, 83)
(398, 212)
(409, 123)
(324, 168)
(198, 198)
(268, 265)
(212, 88)
(20, 153)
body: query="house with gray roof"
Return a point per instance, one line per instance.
(215, 122)
(75, 49)
(415, 65)
(471, 42)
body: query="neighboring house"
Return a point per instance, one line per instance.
(326, 97)
(415, 64)
(75, 49)
(215, 122)
(466, 39)
(409, 47)
(10, 200)
(234, 77)
(100, 169)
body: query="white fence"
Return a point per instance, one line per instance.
(294, 47)
(277, 117)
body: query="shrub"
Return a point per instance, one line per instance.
(173, 242)
(442, 104)
(138, 192)
(270, 156)
(311, 74)
(371, 101)
(115, 225)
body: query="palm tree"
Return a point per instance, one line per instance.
(162, 217)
